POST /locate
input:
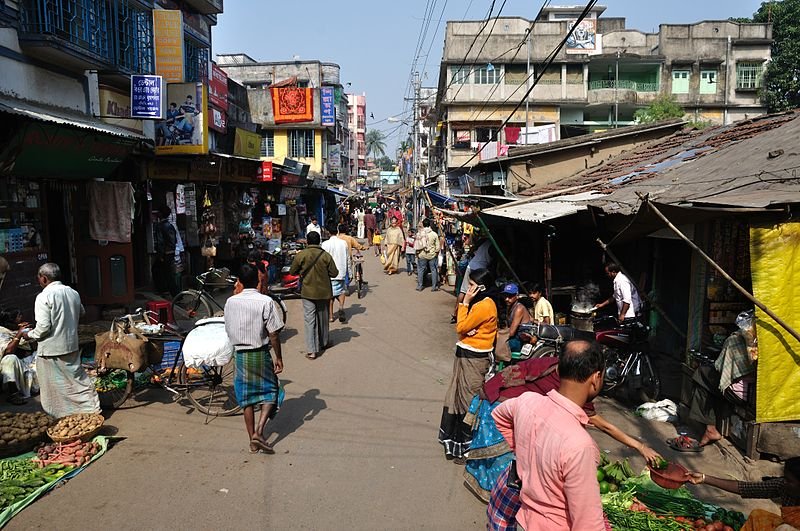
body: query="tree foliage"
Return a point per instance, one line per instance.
(385, 163)
(664, 107)
(781, 87)
(376, 144)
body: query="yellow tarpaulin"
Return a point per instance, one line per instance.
(775, 264)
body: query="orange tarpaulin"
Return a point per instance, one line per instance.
(292, 104)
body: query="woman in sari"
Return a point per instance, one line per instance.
(476, 325)
(395, 239)
(489, 455)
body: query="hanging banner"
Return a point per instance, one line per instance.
(584, 38)
(775, 267)
(327, 106)
(185, 129)
(335, 157)
(147, 97)
(265, 173)
(292, 105)
(168, 41)
(218, 88)
(247, 144)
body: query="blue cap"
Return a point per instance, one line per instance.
(511, 289)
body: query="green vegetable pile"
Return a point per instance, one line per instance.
(16, 490)
(16, 468)
(610, 476)
(626, 520)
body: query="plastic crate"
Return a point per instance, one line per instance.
(172, 349)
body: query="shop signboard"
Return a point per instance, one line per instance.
(168, 41)
(327, 106)
(335, 157)
(147, 101)
(218, 120)
(247, 144)
(184, 131)
(265, 173)
(218, 88)
(115, 108)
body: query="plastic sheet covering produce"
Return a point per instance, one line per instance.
(775, 264)
(207, 344)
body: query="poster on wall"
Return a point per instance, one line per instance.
(168, 43)
(583, 39)
(218, 120)
(218, 87)
(247, 144)
(184, 130)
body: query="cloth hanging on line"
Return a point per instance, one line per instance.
(292, 104)
(110, 211)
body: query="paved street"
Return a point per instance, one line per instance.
(356, 440)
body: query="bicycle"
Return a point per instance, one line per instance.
(191, 305)
(209, 388)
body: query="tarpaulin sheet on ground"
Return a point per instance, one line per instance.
(12, 510)
(775, 264)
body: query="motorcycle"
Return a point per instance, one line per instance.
(629, 370)
(542, 340)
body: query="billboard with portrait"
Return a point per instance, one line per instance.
(184, 131)
(583, 38)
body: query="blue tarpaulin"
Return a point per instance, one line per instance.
(440, 199)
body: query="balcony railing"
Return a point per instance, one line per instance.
(110, 32)
(623, 84)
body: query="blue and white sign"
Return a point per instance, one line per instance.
(147, 101)
(327, 106)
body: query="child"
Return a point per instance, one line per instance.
(411, 257)
(376, 241)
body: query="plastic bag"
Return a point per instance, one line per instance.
(664, 411)
(207, 344)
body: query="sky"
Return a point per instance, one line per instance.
(374, 41)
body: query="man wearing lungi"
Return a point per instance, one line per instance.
(64, 385)
(253, 322)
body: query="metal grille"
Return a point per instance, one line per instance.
(84, 23)
(135, 38)
(748, 75)
(268, 144)
(301, 143)
(197, 57)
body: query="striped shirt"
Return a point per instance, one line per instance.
(249, 319)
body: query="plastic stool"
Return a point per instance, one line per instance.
(162, 310)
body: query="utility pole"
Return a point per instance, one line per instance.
(616, 89)
(415, 123)
(527, 98)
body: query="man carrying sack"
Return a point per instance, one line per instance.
(64, 385)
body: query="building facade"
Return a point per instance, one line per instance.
(604, 74)
(310, 142)
(357, 118)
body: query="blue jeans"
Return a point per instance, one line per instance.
(411, 260)
(422, 265)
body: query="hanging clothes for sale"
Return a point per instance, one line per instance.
(110, 211)
(290, 223)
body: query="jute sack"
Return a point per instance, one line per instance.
(119, 350)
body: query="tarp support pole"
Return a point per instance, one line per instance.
(653, 303)
(502, 255)
(724, 274)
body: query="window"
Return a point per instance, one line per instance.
(461, 139)
(486, 75)
(551, 76)
(708, 82)
(574, 74)
(459, 75)
(268, 144)
(197, 57)
(516, 74)
(748, 75)
(301, 143)
(485, 134)
(680, 81)
(135, 36)
(303, 83)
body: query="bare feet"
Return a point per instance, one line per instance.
(710, 436)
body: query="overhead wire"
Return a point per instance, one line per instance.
(547, 63)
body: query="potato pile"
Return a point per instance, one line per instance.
(22, 428)
(74, 427)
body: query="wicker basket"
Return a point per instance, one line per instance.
(86, 436)
(18, 449)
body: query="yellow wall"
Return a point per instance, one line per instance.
(281, 140)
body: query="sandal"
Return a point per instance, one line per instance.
(17, 400)
(685, 444)
(311, 355)
(261, 445)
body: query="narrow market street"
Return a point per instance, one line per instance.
(355, 440)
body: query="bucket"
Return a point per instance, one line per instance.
(451, 280)
(582, 321)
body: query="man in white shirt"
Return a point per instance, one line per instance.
(625, 294)
(313, 226)
(65, 387)
(340, 251)
(542, 310)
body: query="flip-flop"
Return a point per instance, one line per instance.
(263, 446)
(685, 444)
(17, 400)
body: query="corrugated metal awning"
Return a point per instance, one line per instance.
(64, 117)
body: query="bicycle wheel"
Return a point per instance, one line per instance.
(210, 389)
(188, 307)
(281, 306)
(114, 388)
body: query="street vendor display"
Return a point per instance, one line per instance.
(20, 432)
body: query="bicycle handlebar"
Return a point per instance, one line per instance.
(228, 278)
